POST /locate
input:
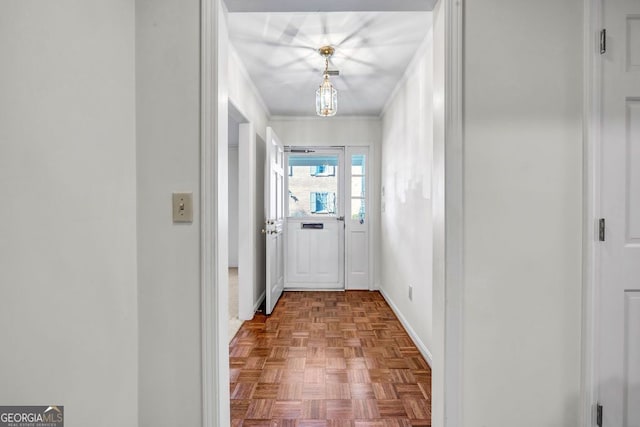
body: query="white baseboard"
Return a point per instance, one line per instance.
(257, 305)
(414, 337)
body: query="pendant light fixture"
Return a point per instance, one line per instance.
(326, 95)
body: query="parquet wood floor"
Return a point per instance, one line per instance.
(334, 359)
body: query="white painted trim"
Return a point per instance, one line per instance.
(252, 86)
(407, 326)
(374, 213)
(454, 217)
(208, 249)
(259, 302)
(213, 251)
(246, 220)
(592, 94)
(349, 151)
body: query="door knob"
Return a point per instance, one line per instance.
(264, 231)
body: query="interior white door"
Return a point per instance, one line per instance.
(274, 224)
(618, 361)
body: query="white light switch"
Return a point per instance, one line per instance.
(182, 207)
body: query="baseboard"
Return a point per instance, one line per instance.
(257, 305)
(414, 337)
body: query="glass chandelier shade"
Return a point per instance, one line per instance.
(326, 99)
(326, 95)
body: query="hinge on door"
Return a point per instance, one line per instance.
(603, 41)
(599, 415)
(601, 229)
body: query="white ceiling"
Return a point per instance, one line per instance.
(373, 50)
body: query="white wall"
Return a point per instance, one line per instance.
(319, 131)
(168, 124)
(68, 310)
(406, 220)
(245, 96)
(523, 160)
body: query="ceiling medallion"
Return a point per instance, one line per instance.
(326, 95)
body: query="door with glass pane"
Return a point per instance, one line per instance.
(357, 221)
(315, 219)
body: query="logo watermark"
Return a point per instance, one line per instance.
(32, 416)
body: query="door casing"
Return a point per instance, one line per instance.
(592, 127)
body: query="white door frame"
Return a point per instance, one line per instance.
(214, 280)
(213, 197)
(246, 211)
(246, 220)
(592, 126)
(449, 224)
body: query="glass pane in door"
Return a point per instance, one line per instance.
(358, 187)
(313, 185)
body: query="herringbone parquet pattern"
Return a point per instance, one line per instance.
(336, 359)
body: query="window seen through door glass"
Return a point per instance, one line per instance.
(313, 185)
(358, 187)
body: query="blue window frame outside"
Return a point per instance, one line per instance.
(322, 202)
(323, 170)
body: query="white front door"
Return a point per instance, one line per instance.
(315, 219)
(618, 361)
(274, 224)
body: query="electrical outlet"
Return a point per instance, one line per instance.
(410, 293)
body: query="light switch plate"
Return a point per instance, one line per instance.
(182, 207)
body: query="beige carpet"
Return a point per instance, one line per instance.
(234, 322)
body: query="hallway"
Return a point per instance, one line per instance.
(328, 358)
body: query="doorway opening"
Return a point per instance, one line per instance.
(246, 210)
(448, 179)
(234, 121)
